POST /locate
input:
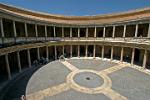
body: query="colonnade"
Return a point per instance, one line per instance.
(95, 28)
(145, 58)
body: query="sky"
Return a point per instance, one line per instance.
(79, 7)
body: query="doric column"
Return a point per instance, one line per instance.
(78, 32)
(112, 52)
(70, 51)
(29, 59)
(104, 32)
(132, 59)
(71, 32)
(86, 51)
(102, 52)
(54, 31)
(45, 32)
(62, 31)
(38, 53)
(78, 50)
(36, 31)
(14, 28)
(26, 31)
(55, 52)
(87, 32)
(149, 31)
(7, 66)
(63, 50)
(18, 60)
(47, 52)
(145, 59)
(122, 50)
(114, 28)
(2, 30)
(94, 51)
(95, 32)
(124, 31)
(136, 30)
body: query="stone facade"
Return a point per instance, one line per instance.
(27, 35)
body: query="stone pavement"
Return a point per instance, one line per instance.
(91, 78)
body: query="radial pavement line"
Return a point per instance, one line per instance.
(70, 66)
(113, 69)
(40, 95)
(113, 95)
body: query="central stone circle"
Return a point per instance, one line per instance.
(88, 79)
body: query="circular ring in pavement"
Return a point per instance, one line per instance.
(78, 80)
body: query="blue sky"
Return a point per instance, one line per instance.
(79, 7)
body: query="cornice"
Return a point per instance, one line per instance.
(81, 20)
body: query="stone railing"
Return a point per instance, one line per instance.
(74, 39)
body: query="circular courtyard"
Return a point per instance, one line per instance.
(88, 79)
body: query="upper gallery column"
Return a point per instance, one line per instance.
(36, 31)
(136, 30)
(2, 30)
(71, 32)
(95, 32)
(124, 30)
(78, 32)
(149, 31)
(87, 32)
(26, 31)
(45, 32)
(114, 28)
(14, 28)
(54, 32)
(62, 31)
(104, 31)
